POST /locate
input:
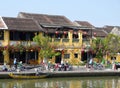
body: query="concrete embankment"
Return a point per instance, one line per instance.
(4, 75)
(84, 74)
(82, 71)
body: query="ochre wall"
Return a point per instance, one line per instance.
(76, 47)
(6, 44)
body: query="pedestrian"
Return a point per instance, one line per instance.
(49, 65)
(15, 63)
(20, 65)
(4, 68)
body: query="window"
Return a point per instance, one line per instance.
(18, 35)
(51, 35)
(113, 58)
(1, 35)
(65, 35)
(50, 57)
(58, 36)
(75, 34)
(66, 56)
(76, 55)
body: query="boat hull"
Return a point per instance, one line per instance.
(27, 76)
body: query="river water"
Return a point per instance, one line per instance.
(73, 82)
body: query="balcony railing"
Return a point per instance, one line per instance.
(75, 40)
(57, 39)
(24, 43)
(65, 40)
(86, 41)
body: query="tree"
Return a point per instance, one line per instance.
(99, 47)
(104, 46)
(47, 48)
(113, 44)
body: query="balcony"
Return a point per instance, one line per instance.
(75, 40)
(57, 39)
(24, 43)
(86, 40)
(65, 40)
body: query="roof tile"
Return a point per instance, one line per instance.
(21, 24)
(47, 19)
(85, 24)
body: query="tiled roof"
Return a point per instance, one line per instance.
(2, 25)
(98, 32)
(108, 29)
(84, 24)
(21, 24)
(47, 19)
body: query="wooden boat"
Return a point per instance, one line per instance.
(28, 75)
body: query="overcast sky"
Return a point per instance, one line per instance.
(97, 12)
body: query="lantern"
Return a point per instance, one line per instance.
(5, 47)
(75, 33)
(31, 50)
(62, 51)
(65, 32)
(82, 50)
(56, 32)
(46, 32)
(85, 33)
(94, 33)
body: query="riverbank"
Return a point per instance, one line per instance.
(76, 72)
(83, 73)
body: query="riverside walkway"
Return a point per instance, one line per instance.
(76, 72)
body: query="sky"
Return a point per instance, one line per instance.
(98, 12)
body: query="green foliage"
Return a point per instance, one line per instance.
(109, 45)
(41, 40)
(113, 44)
(47, 49)
(99, 46)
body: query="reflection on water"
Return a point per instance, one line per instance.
(79, 82)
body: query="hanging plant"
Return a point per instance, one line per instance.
(20, 48)
(17, 48)
(21, 51)
(28, 46)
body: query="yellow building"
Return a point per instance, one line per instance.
(16, 38)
